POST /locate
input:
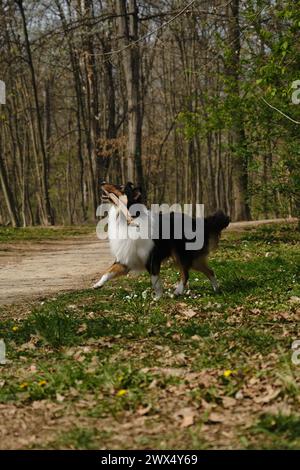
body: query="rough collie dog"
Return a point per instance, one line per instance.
(134, 252)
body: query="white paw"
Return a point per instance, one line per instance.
(157, 296)
(179, 290)
(97, 285)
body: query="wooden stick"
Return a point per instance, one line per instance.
(122, 207)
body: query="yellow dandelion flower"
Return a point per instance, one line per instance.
(24, 385)
(228, 373)
(42, 383)
(121, 392)
(15, 328)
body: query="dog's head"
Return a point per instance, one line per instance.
(127, 193)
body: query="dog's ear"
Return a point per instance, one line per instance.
(138, 194)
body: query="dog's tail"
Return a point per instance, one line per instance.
(217, 222)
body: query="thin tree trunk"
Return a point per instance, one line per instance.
(79, 109)
(49, 219)
(241, 209)
(128, 31)
(92, 105)
(8, 195)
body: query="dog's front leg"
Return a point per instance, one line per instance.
(116, 270)
(157, 286)
(184, 279)
(153, 267)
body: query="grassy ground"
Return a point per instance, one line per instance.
(39, 234)
(114, 369)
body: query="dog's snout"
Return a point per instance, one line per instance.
(103, 192)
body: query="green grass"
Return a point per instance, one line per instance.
(122, 366)
(277, 431)
(36, 234)
(81, 439)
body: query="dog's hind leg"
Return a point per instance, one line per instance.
(211, 276)
(202, 266)
(116, 270)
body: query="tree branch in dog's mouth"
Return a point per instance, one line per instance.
(120, 203)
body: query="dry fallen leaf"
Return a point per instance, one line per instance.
(216, 417)
(189, 313)
(253, 381)
(73, 392)
(255, 311)
(82, 328)
(188, 415)
(180, 359)
(165, 370)
(30, 345)
(176, 337)
(206, 405)
(143, 411)
(196, 338)
(79, 356)
(228, 402)
(60, 398)
(294, 299)
(185, 310)
(272, 393)
(239, 395)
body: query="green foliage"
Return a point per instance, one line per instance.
(269, 64)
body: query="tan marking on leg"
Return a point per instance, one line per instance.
(115, 270)
(201, 264)
(119, 269)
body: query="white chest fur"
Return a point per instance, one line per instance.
(129, 244)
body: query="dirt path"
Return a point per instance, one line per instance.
(29, 271)
(240, 226)
(34, 270)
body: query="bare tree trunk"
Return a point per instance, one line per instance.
(128, 31)
(111, 130)
(92, 105)
(241, 209)
(79, 108)
(49, 219)
(8, 195)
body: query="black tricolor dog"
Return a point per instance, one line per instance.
(136, 253)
